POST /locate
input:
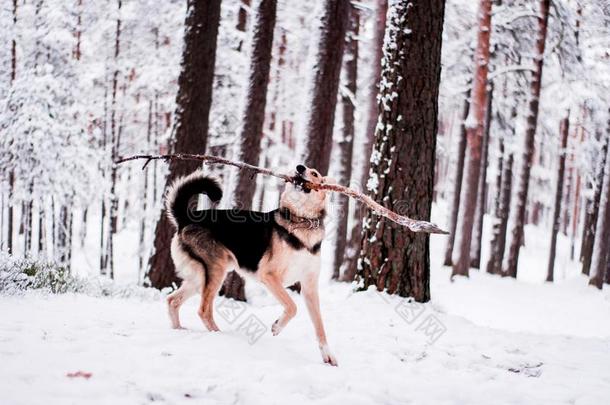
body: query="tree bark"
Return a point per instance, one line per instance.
(242, 20)
(115, 142)
(321, 115)
(564, 130)
(576, 200)
(498, 242)
(346, 143)
(144, 219)
(477, 239)
(591, 223)
(11, 178)
(457, 185)
(403, 158)
(191, 123)
(253, 119)
(474, 136)
(77, 51)
(350, 259)
(256, 97)
(607, 278)
(602, 231)
(530, 134)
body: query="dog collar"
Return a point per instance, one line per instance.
(312, 223)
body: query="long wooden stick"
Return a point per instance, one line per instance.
(413, 224)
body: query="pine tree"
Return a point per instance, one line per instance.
(593, 211)
(325, 84)
(563, 130)
(346, 143)
(403, 158)
(474, 144)
(350, 258)
(191, 126)
(253, 118)
(457, 184)
(602, 231)
(477, 237)
(530, 133)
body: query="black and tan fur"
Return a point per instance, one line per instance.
(278, 248)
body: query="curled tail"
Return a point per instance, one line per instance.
(181, 191)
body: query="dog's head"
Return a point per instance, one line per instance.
(302, 201)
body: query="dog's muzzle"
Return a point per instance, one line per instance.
(299, 183)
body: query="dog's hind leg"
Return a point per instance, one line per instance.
(192, 273)
(187, 289)
(274, 285)
(215, 277)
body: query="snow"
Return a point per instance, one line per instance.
(481, 338)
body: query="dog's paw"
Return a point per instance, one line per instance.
(211, 325)
(328, 357)
(276, 328)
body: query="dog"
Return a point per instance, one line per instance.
(277, 248)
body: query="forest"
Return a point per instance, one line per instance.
(489, 118)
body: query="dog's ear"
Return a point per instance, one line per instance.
(329, 180)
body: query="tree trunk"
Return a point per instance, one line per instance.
(564, 130)
(352, 251)
(589, 236)
(191, 124)
(475, 250)
(115, 142)
(346, 143)
(103, 146)
(10, 214)
(144, 219)
(325, 85)
(576, 199)
(498, 241)
(402, 162)
(602, 231)
(242, 19)
(568, 195)
(607, 278)
(77, 51)
(41, 228)
(254, 111)
(253, 120)
(530, 133)
(103, 250)
(457, 185)
(11, 176)
(63, 235)
(475, 124)
(27, 235)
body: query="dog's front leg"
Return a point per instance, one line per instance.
(274, 285)
(312, 300)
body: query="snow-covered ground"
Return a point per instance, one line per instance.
(480, 340)
(516, 344)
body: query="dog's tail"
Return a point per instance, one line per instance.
(182, 190)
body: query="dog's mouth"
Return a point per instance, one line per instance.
(299, 182)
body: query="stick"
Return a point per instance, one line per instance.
(412, 224)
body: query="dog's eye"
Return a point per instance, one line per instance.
(314, 174)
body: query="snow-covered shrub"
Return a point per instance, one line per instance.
(18, 275)
(21, 274)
